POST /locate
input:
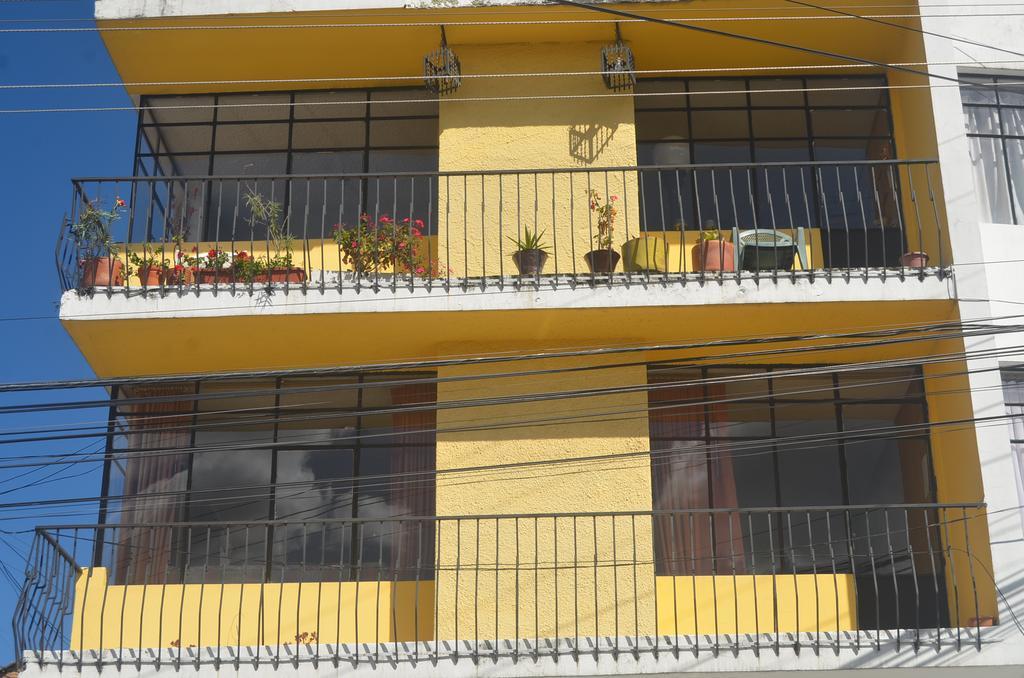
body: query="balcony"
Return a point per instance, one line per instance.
(681, 584)
(446, 233)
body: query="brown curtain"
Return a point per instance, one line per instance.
(412, 493)
(686, 477)
(154, 429)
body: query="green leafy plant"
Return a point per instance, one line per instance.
(530, 240)
(606, 213)
(92, 231)
(247, 267)
(372, 246)
(149, 256)
(710, 232)
(270, 214)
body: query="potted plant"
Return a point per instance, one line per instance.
(213, 267)
(713, 252)
(603, 259)
(646, 254)
(99, 265)
(279, 266)
(531, 254)
(914, 259)
(382, 245)
(151, 266)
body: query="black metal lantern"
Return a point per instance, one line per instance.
(442, 72)
(617, 64)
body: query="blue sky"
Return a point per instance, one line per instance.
(39, 153)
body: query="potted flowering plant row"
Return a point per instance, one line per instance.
(381, 245)
(99, 264)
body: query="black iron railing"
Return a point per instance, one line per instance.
(454, 231)
(523, 585)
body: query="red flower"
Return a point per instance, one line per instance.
(418, 223)
(385, 219)
(419, 269)
(119, 202)
(406, 220)
(242, 255)
(212, 254)
(179, 267)
(195, 249)
(416, 233)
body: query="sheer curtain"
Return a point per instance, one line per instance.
(153, 477)
(412, 494)
(991, 181)
(687, 475)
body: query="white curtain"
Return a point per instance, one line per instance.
(994, 186)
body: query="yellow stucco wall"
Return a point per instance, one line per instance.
(559, 557)
(756, 604)
(161, 616)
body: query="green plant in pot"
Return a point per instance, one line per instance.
(279, 265)
(603, 259)
(152, 267)
(99, 264)
(713, 252)
(531, 253)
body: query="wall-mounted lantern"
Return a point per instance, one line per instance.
(442, 72)
(617, 65)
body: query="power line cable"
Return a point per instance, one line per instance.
(912, 29)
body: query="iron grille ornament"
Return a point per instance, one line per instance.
(617, 64)
(442, 72)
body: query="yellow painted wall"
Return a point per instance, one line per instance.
(162, 616)
(756, 604)
(560, 557)
(958, 479)
(478, 215)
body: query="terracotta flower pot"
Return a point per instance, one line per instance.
(714, 255)
(602, 261)
(282, 274)
(102, 272)
(530, 262)
(151, 276)
(914, 259)
(215, 276)
(980, 621)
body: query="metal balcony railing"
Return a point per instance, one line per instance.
(462, 230)
(552, 585)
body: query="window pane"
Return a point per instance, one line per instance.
(382, 109)
(846, 92)
(252, 137)
(776, 98)
(856, 123)
(720, 124)
(662, 87)
(313, 135)
(330, 104)
(661, 125)
(978, 91)
(738, 100)
(384, 133)
(780, 123)
(261, 106)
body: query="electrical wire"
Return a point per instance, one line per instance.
(449, 23)
(417, 77)
(912, 29)
(507, 98)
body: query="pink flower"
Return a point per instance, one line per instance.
(420, 270)
(615, 197)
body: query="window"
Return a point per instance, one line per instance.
(994, 116)
(1013, 397)
(759, 437)
(289, 449)
(742, 122)
(284, 134)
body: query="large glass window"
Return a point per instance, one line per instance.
(312, 454)
(994, 116)
(735, 124)
(761, 437)
(283, 134)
